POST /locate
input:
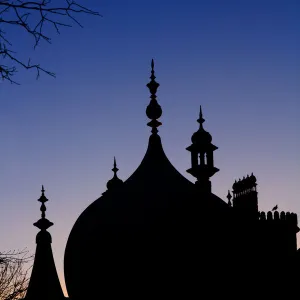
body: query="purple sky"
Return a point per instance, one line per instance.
(238, 59)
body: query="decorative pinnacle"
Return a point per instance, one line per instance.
(115, 181)
(229, 198)
(43, 199)
(153, 110)
(153, 85)
(115, 169)
(201, 120)
(43, 223)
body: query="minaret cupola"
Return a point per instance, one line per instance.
(202, 158)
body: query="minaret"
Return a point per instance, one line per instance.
(44, 283)
(202, 158)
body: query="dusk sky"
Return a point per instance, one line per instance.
(239, 59)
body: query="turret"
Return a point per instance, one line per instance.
(202, 158)
(245, 200)
(44, 283)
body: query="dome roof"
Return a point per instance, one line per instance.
(133, 226)
(201, 137)
(156, 195)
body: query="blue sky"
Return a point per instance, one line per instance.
(238, 59)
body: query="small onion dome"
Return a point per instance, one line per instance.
(115, 182)
(201, 136)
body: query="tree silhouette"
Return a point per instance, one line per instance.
(13, 274)
(35, 18)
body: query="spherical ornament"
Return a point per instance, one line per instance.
(153, 110)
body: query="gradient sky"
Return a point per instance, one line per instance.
(239, 59)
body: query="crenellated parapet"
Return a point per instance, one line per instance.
(245, 200)
(277, 232)
(287, 218)
(244, 186)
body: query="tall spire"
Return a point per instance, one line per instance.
(153, 110)
(115, 169)
(44, 282)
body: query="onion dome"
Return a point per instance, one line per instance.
(139, 227)
(201, 136)
(115, 182)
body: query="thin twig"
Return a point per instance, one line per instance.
(33, 17)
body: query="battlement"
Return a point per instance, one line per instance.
(245, 200)
(244, 186)
(282, 217)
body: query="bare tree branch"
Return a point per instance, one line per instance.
(13, 274)
(34, 17)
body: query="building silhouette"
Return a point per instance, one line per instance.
(158, 235)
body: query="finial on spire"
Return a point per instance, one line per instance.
(201, 136)
(43, 199)
(115, 169)
(153, 110)
(201, 120)
(43, 223)
(115, 181)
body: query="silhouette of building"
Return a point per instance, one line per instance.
(44, 282)
(158, 235)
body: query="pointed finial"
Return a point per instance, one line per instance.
(43, 199)
(153, 110)
(201, 120)
(115, 181)
(43, 223)
(229, 198)
(115, 169)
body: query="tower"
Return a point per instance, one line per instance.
(245, 200)
(202, 157)
(44, 283)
